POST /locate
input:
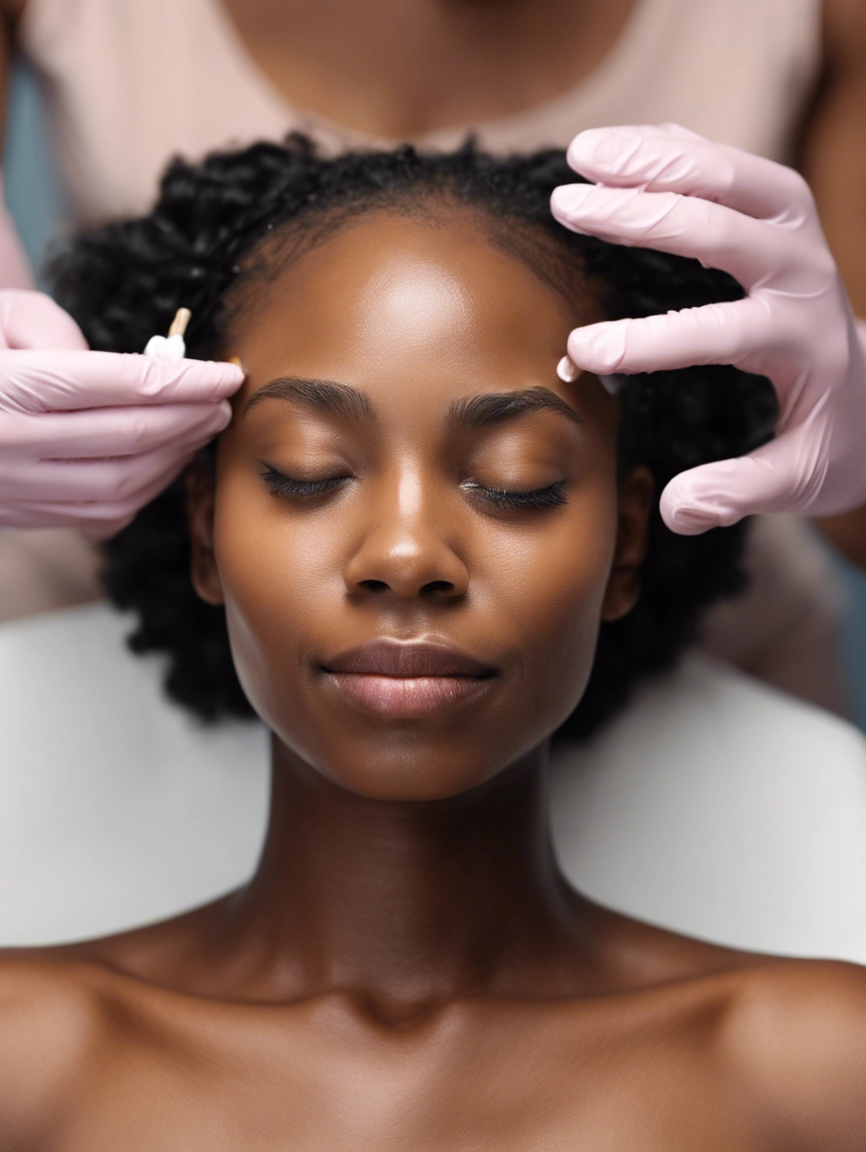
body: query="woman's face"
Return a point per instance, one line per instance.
(416, 526)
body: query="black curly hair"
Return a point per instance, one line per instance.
(221, 228)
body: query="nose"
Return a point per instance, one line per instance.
(405, 550)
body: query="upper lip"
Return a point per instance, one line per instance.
(387, 656)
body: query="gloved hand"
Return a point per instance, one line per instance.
(87, 438)
(668, 189)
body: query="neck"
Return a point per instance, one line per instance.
(409, 905)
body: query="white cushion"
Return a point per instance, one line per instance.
(115, 806)
(713, 805)
(725, 809)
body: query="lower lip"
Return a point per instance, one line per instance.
(407, 695)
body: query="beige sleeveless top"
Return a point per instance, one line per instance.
(131, 83)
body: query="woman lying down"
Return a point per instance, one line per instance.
(419, 556)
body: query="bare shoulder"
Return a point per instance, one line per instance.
(796, 1030)
(788, 1035)
(49, 1022)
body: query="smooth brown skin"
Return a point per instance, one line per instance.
(408, 970)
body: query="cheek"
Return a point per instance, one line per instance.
(275, 574)
(549, 592)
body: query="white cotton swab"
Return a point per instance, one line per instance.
(171, 347)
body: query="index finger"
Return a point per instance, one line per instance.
(50, 381)
(730, 333)
(668, 158)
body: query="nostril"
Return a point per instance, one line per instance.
(442, 587)
(373, 585)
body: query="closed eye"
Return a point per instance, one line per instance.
(515, 500)
(504, 499)
(278, 484)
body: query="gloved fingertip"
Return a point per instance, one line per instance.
(568, 201)
(598, 348)
(689, 518)
(684, 517)
(582, 148)
(196, 381)
(600, 148)
(689, 521)
(230, 375)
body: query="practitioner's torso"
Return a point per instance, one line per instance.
(131, 82)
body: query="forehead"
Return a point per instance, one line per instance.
(429, 307)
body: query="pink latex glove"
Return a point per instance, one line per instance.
(668, 189)
(87, 438)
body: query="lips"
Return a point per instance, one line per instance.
(407, 678)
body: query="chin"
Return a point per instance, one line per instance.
(409, 763)
(405, 766)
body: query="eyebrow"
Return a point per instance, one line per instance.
(320, 395)
(468, 412)
(495, 407)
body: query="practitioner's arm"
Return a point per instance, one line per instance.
(833, 159)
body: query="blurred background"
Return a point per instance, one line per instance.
(34, 199)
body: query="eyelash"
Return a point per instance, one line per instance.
(552, 496)
(508, 500)
(280, 485)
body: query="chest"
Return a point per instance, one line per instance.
(259, 1093)
(403, 68)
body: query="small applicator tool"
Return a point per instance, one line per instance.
(171, 347)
